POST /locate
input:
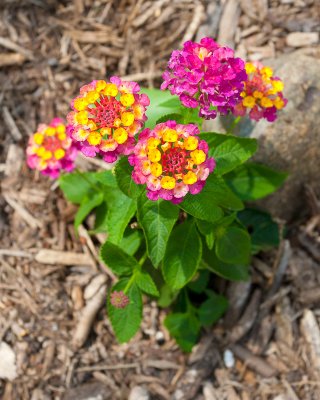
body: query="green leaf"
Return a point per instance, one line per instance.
(233, 245)
(159, 106)
(263, 230)
(87, 205)
(228, 271)
(207, 204)
(118, 260)
(173, 102)
(185, 328)
(157, 219)
(212, 309)
(131, 241)
(167, 296)
(123, 172)
(100, 223)
(121, 209)
(126, 321)
(254, 181)
(182, 255)
(200, 281)
(229, 151)
(75, 187)
(171, 117)
(106, 178)
(146, 283)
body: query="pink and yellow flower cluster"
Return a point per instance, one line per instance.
(50, 150)
(172, 161)
(262, 95)
(106, 116)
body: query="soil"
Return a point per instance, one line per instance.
(268, 344)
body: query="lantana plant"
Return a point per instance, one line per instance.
(172, 203)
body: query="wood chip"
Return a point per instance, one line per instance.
(227, 29)
(11, 125)
(311, 333)
(14, 160)
(24, 214)
(9, 44)
(55, 257)
(11, 59)
(301, 39)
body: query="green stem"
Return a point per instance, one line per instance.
(129, 284)
(143, 259)
(82, 175)
(233, 125)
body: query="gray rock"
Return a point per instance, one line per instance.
(292, 143)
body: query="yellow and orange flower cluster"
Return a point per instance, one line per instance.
(106, 116)
(262, 94)
(50, 150)
(172, 161)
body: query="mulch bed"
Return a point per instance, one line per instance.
(267, 345)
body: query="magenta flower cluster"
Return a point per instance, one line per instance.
(206, 75)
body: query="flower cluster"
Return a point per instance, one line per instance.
(50, 150)
(262, 94)
(172, 161)
(205, 75)
(106, 116)
(119, 299)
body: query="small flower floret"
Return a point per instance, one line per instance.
(172, 161)
(50, 150)
(119, 299)
(262, 96)
(106, 116)
(205, 75)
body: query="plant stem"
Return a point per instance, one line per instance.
(130, 282)
(233, 125)
(143, 259)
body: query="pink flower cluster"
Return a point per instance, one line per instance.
(172, 161)
(205, 75)
(50, 150)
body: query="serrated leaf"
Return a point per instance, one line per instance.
(123, 172)
(131, 242)
(157, 109)
(212, 309)
(229, 151)
(121, 209)
(126, 321)
(207, 204)
(263, 230)
(185, 328)
(253, 181)
(233, 246)
(75, 187)
(227, 271)
(146, 283)
(118, 260)
(87, 205)
(170, 117)
(182, 255)
(157, 219)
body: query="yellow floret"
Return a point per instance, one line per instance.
(152, 143)
(278, 103)
(80, 104)
(47, 155)
(127, 118)
(117, 122)
(62, 136)
(120, 135)
(257, 94)
(82, 134)
(38, 138)
(167, 182)
(189, 178)
(170, 135)
(110, 90)
(43, 164)
(127, 99)
(100, 85)
(92, 126)
(60, 128)
(249, 101)
(156, 169)
(243, 94)
(277, 86)
(92, 96)
(40, 151)
(58, 154)
(198, 156)
(105, 131)
(94, 138)
(267, 71)
(191, 143)
(266, 102)
(154, 155)
(50, 131)
(82, 117)
(250, 68)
